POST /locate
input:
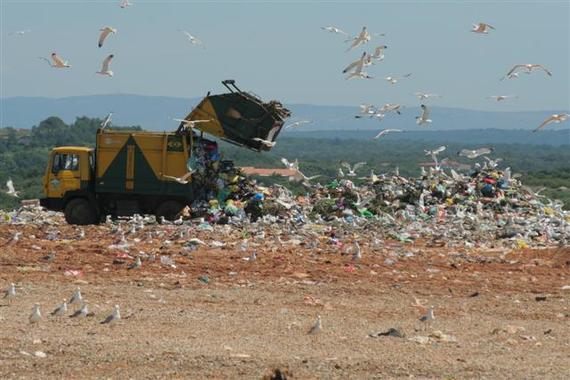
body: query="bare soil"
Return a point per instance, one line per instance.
(219, 316)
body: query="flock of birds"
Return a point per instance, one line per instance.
(355, 70)
(82, 310)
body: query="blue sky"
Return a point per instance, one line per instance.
(277, 50)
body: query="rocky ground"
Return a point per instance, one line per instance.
(500, 313)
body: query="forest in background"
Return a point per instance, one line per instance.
(24, 154)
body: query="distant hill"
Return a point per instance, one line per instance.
(156, 113)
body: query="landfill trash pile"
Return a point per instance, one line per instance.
(484, 208)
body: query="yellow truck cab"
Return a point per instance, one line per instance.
(137, 172)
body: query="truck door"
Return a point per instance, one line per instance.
(65, 174)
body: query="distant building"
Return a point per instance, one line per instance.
(292, 174)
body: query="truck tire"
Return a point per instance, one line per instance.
(80, 211)
(169, 210)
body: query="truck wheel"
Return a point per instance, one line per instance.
(80, 211)
(169, 210)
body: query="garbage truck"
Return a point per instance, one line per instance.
(160, 173)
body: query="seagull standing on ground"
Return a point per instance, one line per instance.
(481, 28)
(105, 66)
(526, 68)
(82, 312)
(11, 190)
(60, 310)
(424, 117)
(104, 33)
(36, 314)
(56, 61)
(76, 297)
(316, 327)
(137, 264)
(556, 118)
(334, 29)
(114, 317)
(10, 292)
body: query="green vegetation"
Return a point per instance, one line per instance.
(24, 153)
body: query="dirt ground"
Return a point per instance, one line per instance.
(498, 313)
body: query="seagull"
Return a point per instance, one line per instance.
(424, 117)
(36, 314)
(316, 327)
(492, 163)
(475, 153)
(307, 179)
(334, 29)
(10, 292)
(114, 317)
(137, 264)
(290, 165)
(193, 40)
(11, 190)
(352, 169)
(366, 109)
(56, 61)
(15, 238)
(267, 143)
(481, 28)
(104, 33)
(434, 153)
(424, 96)
(358, 73)
(357, 253)
(82, 312)
(386, 131)
(105, 66)
(191, 123)
(378, 53)
(60, 310)
(297, 124)
(125, 3)
(499, 98)
(356, 64)
(76, 297)
(106, 121)
(556, 118)
(362, 38)
(394, 80)
(252, 257)
(429, 316)
(184, 180)
(20, 32)
(390, 107)
(527, 68)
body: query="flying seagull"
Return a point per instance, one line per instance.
(362, 38)
(499, 98)
(193, 40)
(394, 80)
(352, 169)
(56, 61)
(475, 153)
(125, 3)
(20, 32)
(526, 68)
(556, 118)
(424, 117)
(107, 121)
(378, 53)
(105, 66)
(334, 29)
(434, 153)
(290, 165)
(191, 123)
(481, 28)
(104, 33)
(385, 132)
(11, 190)
(184, 180)
(358, 64)
(424, 96)
(114, 317)
(269, 144)
(390, 107)
(297, 124)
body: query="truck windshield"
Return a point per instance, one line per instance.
(65, 161)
